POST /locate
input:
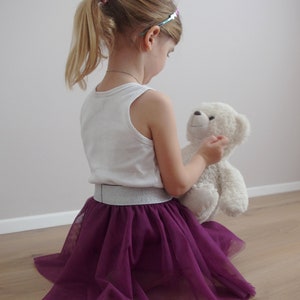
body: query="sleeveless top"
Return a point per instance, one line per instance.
(117, 153)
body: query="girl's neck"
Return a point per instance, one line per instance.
(125, 63)
(121, 72)
(116, 77)
(123, 67)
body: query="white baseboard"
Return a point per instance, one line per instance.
(265, 190)
(36, 222)
(64, 218)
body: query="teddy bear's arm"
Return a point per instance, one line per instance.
(234, 196)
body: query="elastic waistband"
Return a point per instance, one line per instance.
(122, 195)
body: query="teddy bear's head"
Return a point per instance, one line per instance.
(218, 119)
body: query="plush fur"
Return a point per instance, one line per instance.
(221, 186)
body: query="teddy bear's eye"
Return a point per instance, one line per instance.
(211, 118)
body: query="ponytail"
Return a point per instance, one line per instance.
(85, 53)
(96, 23)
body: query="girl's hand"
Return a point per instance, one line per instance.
(212, 149)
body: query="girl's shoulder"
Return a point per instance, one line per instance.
(156, 99)
(154, 106)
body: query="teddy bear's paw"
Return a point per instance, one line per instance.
(234, 209)
(202, 201)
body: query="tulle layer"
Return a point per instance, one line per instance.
(156, 251)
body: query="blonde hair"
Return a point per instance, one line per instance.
(97, 22)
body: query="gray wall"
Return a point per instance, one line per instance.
(246, 53)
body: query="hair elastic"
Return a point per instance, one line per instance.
(103, 2)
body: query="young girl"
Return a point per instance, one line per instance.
(132, 239)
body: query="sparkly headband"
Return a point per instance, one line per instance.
(169, 19)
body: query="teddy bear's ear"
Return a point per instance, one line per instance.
(242, 128)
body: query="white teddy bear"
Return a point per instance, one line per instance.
(221, 186)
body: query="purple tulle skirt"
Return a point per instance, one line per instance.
(154, 251)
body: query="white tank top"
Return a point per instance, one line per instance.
(117, 153)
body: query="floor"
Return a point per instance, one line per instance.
(271, 260)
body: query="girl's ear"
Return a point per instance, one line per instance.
(150, 36)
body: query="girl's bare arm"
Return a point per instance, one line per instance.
(153, 115)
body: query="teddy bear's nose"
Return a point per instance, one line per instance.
(197, 113)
